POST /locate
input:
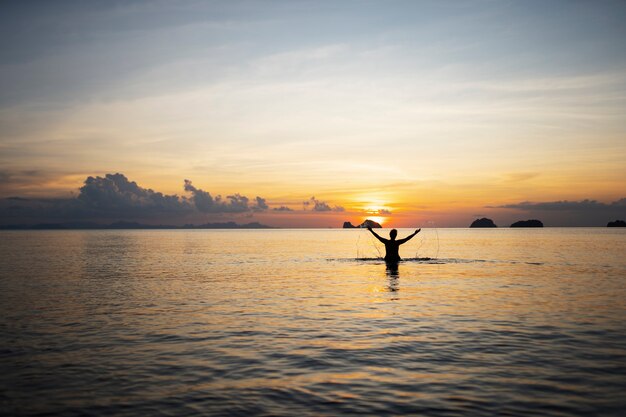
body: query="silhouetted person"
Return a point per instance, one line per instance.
(392, 245)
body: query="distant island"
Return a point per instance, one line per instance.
(616, 223)
(528, 223)
(129, 225)
(367, 223)
(484, 222)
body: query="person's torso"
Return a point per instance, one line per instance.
(392, 250)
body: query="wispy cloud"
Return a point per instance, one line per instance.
(520, 176)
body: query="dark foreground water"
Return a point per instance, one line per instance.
(290, 322)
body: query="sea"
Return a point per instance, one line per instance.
(286, 322)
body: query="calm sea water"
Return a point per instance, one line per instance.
(511, 322)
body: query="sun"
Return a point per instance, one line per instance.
(378, 219)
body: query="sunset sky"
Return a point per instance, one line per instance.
(414, 112)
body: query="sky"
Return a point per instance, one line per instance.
(311, 113)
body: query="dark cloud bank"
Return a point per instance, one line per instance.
(114, 197)
(579, 206)
(571, 213)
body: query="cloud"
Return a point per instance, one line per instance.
(261, 204)
(282, 208)
(520, 176)
(235, 203)
(564, 205)
(203, 200)
(320, 205)
(378, 212)
(115, 197)
(19, 181)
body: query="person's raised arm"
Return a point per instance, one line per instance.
(375, 235)
(406, 239)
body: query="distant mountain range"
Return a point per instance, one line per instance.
(129, 225)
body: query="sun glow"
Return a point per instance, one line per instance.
(377, 212)
(378, 219)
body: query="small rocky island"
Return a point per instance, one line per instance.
(484, 222)
(616, 223)
(528, 223)
(367, 223)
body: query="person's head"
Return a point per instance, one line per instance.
(393, 233)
